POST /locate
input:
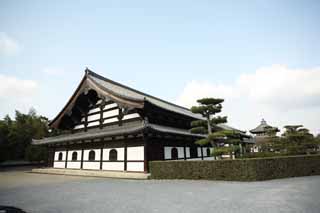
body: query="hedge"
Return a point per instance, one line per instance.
(254, 169)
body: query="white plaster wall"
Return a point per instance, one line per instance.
(70, 154)
(96, 123)
(116, 166)
(56, 155)
(93, 117)
(199, 151)
(86, 154)
(129, 116)
(135, 166)
(167, 152)
(204, 150)
(188, 152)
(79, 126)
(111, 113)
(110, 106)
(59, 164)
(120, 152)
(110, 120)
(180, 152)
(73, 165)
(97, 109)
(91, 165)
(135, 153)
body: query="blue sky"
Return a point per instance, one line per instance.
(162, 48)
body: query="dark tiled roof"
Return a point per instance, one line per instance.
(130, 93)
(262, 127)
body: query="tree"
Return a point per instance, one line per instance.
(16, 136)
(295, 140)
(208, 107)
(298, 140)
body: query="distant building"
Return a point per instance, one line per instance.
(264, 129)
(262, 133)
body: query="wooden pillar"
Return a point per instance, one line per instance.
(101, 157)
(201, 152)
(145, 149)
(67, 151)
(81, 164)
(125, 155)
(85, 122)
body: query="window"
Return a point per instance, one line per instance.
(208, 152)
(174, 153)
(60, 156)
(113, 155)
(74, 156)
(92, 155)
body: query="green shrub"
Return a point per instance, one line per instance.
(36, 153)
(238, 170)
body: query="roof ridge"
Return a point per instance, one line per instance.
(90, 72)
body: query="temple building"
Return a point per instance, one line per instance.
(261, 134)
(264, 129)
(109, 126)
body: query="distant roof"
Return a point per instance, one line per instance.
(262, 127)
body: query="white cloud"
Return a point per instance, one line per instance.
(8, 46)
(53, 71)
(16, 93)
(276, 93)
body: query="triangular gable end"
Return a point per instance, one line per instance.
(87, 94)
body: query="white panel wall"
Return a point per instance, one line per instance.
(96, 123)
(86, 154)
(110, 106)
(71, 164)
(180, 152)
(59, 164)
(135, 166)
(199, 151)
(97, 109)
(56, 155)
(91, 165)
(93, 117)
(72, 151)
(188, 152)
(110, 120)
(167, 152)
(135, 153)
(111, 113)
(116, 166)
(129, 116)
(204, 151)
(120, 152)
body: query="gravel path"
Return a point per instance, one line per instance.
(55, 193)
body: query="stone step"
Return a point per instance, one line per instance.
(93, 173)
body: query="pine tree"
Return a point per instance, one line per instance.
(208, 107)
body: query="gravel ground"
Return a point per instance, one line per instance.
(55, 193)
